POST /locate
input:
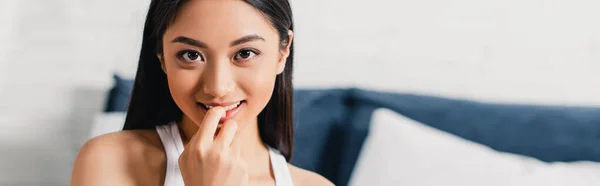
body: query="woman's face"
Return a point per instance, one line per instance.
(222, 53)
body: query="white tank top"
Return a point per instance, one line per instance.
(171, 139)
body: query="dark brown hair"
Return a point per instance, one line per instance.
(151, 103)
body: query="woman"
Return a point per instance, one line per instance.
(212, 101)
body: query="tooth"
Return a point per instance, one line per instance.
(226, 107)
(232, 106)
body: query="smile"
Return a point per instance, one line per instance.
(228, 107)
(232, 109)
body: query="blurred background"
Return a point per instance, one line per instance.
(58, 58)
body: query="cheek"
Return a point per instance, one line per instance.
(182, 85)
(258, 84)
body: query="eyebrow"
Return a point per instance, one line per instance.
(246, 39)
(193, 42)
(189, 41)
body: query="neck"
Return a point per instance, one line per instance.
(253, 151)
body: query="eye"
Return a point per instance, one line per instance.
(245, 54)
(190, 56)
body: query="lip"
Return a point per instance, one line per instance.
(221, 104)
(230, 114)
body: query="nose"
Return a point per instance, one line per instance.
(218, 79)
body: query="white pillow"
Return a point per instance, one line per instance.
(107, 123)
(401, 151)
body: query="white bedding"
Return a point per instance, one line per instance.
(401, 151)
(107, 123)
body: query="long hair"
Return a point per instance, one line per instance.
(151, 103)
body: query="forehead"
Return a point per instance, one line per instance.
(214, 21)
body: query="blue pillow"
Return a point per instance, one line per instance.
(319, 119)
(119, 94)
(548, 133)
(330, 128)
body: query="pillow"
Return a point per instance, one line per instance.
(118, 97)
(319, 119)
(401, 151)
(107, 123)
(549, 133)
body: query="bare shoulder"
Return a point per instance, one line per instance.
(120, 158)
(303, 177)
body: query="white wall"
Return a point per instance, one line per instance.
(56, 60)
(54, 73)
(513, 50)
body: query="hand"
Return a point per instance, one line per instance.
(208, 160)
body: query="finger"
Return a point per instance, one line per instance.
(208, 127)
(236, 144)
(227, 133)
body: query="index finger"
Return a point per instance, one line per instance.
(236, 144)
(209, 124)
